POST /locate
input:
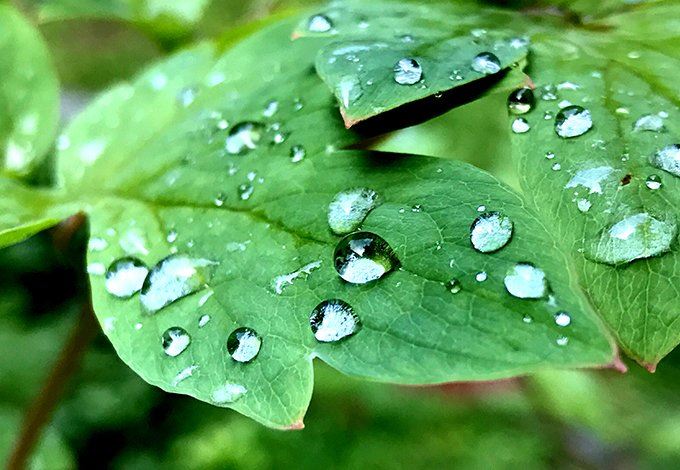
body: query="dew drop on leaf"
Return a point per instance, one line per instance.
(481, 276)
(562, 341)
(245, 191)
(270, 108)
(204, 320)
(454, 286)
(244, 137)
(297, 153)
(668, 159)
(521, 101)
(243, 344)
(125, 277)
(319, 24)
(653, 182)
(349, 208)
(349, 90)
(527, 319)
(490, 232)
(486, 63)
(526, 281)
(173, 278)
(228, 393)
(520, 126)
(590, 178)
(333, 320)
(407, 71)
(573, 121)
(175, 340)
(562, 319)
(634, 237)
(363, 257)
(649, 123)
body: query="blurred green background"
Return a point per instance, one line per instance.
(110, 418)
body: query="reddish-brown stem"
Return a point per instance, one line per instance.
(40, 411)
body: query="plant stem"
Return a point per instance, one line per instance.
(40, 411)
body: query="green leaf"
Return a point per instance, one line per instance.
(29, 99)
(148, 162)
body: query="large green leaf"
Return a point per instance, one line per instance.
(29, 99)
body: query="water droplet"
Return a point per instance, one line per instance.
(583, 205)
(520, 126)
(96, 269)
(349, 90)
(490, 232)
(527, 319)
(281, 282)
(219, 199)
(407, 71)
(333, 320)
(653, 182)
(486, 63)
(187, 96)
(244, 137)
(204, 320)
(549, 155)
(245, 191)
(228, 393)
(363, 257)
(243, 344)
(319, 24)
(349, 208)
(481, 208)
(549, 93)
(521, 101)
(173, 278)
(297, 153)
(183, 375)
(556, 167)
(668, 159)
(634, 237)
(175, 340)
(649, 123)
(125, 277)
(416, 208)
(573, 121)
(590, 178)
(526, 281)
(481, 276)
(562, 341)
(454, 286)
(562, 319)
(271, 108)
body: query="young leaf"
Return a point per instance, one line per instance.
(29, 99)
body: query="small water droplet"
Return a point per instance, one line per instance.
(97, 244)
(490, 232)
(175, 340)
(653, 182)
(243, 344)
(407, 71)
(284, 280)
(549, 93)
(349, 208)
(270, 108)
(526, 281)
(486, 63)
(244, 137)
(556, 167)
(125, 277)
(520, 126)
(416, 208)
(481, 208)
(454, 286)
(245, 191)
(549, 155)
(204, 320)
(649, 123)
(521, 101)
(583, 205)
(172, 236)
(362, 257)
(527, 319)
(481, 276)
(573, 121)
(183, 375)
(668, 159)
(562, 319)
(297, 153)
(319, 23)
(228, 393)
(173, 278)
(333, 320)
(219, 199)
(590, 178)
(562, 341)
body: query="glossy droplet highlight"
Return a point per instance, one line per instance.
(407, 71)
(349, 209)
(490, 232)
(520, 126)
(454, 286)
(526, 281)
(521, 101)
(125, 277)
(653, 182)
(363, 257)
(319, 24)
(243, 344)
(668, 159)
(175, 340)
(486, 63)
(573, 121)
(173, 278)
(297, 153)
(649, 123)
(333, 320)
(634, 237)
(562, 319)
(244, 137)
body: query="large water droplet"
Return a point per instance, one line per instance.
(175, 340)
(243, 344)
(526, 281)
(244, 137)
(173, 278)
(486, 63)
(490, 232)
(573, 121)
(634, 237)
(407, 71)
(649, 123)
(349, 208)
(125, 277)
(521, 101)
(319, 24)
(333, 320)
(668, 159)
(363, 257)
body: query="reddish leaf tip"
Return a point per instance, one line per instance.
(296, 426)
